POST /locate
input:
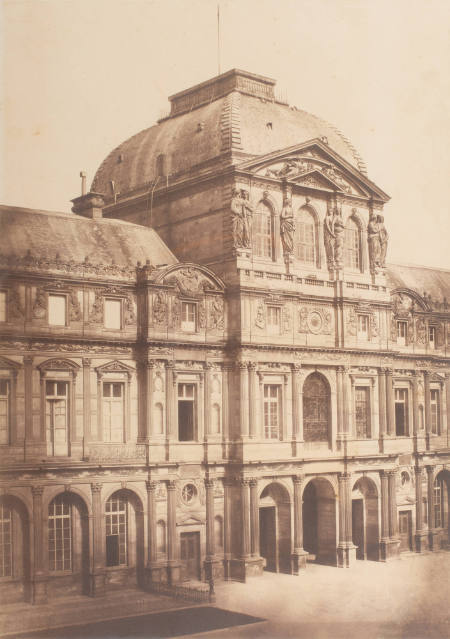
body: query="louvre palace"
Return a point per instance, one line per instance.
(210, 369)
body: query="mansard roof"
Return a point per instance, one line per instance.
(48, 236)
(234, 115)
(434, 282)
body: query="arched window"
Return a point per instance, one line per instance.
(262, 231)
(60, 534)
(6, 541)
(352, 245)
(116, 531)
(438, 502)
(316, 409)
(161, 537)
(305, 236)
(218, 532)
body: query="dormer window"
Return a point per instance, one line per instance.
(188, 316)
(402, 330)
(432, 336)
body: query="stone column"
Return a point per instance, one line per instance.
(227, 503)
(244, 408)
(346, 550)
(254, 518)
(170, 401)
(433, 534)
(98, 573)
(253, 426)
(39, 573)
(149, 424)
(299, 555)
(382, 404)
(415, 403)
(426, 375)
(173, 567)
(420, 535)
(86, 399)
(152, 572)
(245, 519)
(390, 407)
(393, 514)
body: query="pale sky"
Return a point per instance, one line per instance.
(81, 76)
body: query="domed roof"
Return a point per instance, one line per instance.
(235, 115)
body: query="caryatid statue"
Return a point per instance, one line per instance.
(247, 215)
(237, 212)
(329, 237)
(339, 228)
(373, 239)
(384, 237)
(287, 226)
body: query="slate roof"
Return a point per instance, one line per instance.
(432, 281)
(237, 121)
(46, 233)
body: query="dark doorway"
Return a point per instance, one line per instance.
(190, 554)
(185, 421)
(319, 521)
(358, 528)
(268, 537)
(405, 530)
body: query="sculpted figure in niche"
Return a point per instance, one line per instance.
(373, 238)
(383, 240)
(338, 226)
(287, 226)
(329, 237)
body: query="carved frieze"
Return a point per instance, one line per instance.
(315, 320)
(159, 308)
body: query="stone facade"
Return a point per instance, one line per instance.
(277, 395)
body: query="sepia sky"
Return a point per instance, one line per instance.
(80, 76)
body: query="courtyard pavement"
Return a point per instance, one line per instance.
(407, 598)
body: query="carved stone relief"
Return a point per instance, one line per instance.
(176, 313)
(96, 312)
(216, 314)
(40, 304)
(15, 309)
(74, 306)
(129, 310)
(159, 308)
(260, 319)
(314, 320)
(352, 322)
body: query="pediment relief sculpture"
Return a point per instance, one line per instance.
(190, 280)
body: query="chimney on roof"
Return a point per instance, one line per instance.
(89, 205)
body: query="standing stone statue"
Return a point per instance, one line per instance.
(237, 212)
(339, 228)
(247, 213)
(384, 237)
(329, 237)
(373, 238)
(287, 226)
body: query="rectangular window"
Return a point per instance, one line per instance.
(59, 535)
(113, 411)
(274, 319)
(402, 331)
(116, 532)
(401, 412)
(6, 563)
(186, 412)
(4, 411)
(2, 306)
(435, 411)
(272, 396)
(188, 316)
(352, 260)
(57, 417)
(57, 310)
(262, 234)
(363, 326)
(432, 336)
(437, 503)
(362, 412)
(305, 241)
(113, 314)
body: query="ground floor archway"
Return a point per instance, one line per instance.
(319, 520)
(365, 526)
(14, 550)
(275, 528)
(441, 505)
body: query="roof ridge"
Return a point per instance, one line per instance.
(430, 268)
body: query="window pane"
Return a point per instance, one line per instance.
(315, 409)
(262, 231)
(113, 411)
(57, 310)
(352, 245)
(362, 412)
(116, 532)
(305, 237)
(113, 319)
(2, 306)
(59, 534)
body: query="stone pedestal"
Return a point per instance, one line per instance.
(173, 572)
(39, 590)
(298, 561)
(389, 549)
(242, 568)
(97, 584)
(213, 569)
(421, 541)
(346, 555)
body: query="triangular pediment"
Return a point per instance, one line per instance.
(314, 164)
